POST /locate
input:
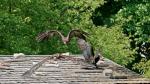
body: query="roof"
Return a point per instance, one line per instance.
(66, 71)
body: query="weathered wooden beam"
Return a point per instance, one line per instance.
(5, 68)
(16, 60)
(39, 64)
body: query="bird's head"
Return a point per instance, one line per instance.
(65, 40)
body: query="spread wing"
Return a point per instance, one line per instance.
(77, 33)
(48, 34)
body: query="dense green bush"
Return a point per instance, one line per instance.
(21, 21)
(135, 21)
(133, 18)
(113, 44)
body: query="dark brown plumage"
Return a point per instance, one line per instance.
(71, 34)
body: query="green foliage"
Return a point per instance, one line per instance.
(22, 20)
(102, 14)
(134, 19)
(113, 44)
(143, 67)
(15, 34)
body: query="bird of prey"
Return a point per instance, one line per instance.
(88, 52)
(71, 34)
(84, 46)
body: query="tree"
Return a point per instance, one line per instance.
(22, 21)
(135, 20)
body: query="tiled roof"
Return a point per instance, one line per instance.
(66, 71)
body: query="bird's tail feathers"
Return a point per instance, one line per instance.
(97, 57)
